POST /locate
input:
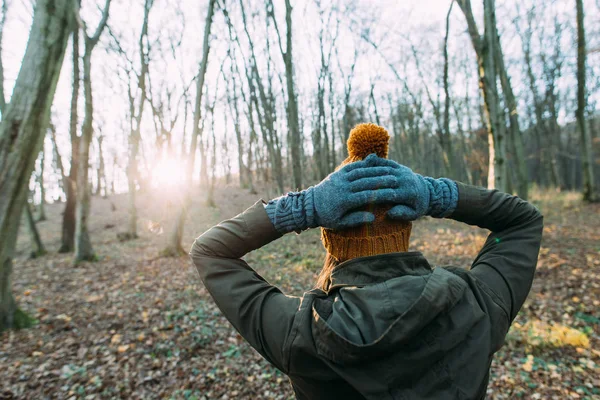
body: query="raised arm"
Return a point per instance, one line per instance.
(508, 259)
(258, 311)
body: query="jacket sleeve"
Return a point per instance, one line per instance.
(507, 261)
(258, 310)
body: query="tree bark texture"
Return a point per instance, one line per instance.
(68, 222)
(292, 104)
(589, 190)
(41, 215)
(37, 247)
(513, 115)
(485, 52)
(83, 245)
(4, 10)
(23, 127)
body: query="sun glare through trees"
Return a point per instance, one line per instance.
(168, 175)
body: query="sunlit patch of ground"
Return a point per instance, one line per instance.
(134, 325)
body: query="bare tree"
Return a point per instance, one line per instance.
(210, 193)
(174, 247)
(261, 100)
(589, 190)
(22, 130)
(83, 246)
(4, 10)
(136, 91)
(68, 222)
(100, 172)
(516, 136)
(292, 102)
(41, 210)
(57, 161)
(485, 51)
(38, 248)
(347, 120)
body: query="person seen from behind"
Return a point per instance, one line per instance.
(381, 322)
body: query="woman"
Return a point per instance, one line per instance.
(381, 324)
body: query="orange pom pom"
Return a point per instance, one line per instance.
(366, 139)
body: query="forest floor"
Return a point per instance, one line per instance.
(137, 325)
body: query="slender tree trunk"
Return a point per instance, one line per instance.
(174, 247)
(68, 222)
(447, 147)
(38, 248)
(64, 180)
(244, 172)
(40, 180)
(463, 145)
(100, 174)
(132, 175)
(485, 51)
(4, 10)
(266, 118)
(589, 190)
(513, 115)
(292, 106)
(318, 167)
(22, 130)
(210, 197)
(136, 121)
(333, 163)
(83, 245)
(374, 102)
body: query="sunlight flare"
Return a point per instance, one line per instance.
(168, 174)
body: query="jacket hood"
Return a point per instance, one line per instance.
(381, 305)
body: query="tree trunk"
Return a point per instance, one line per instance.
(266, 118)
(68, 222)
(447, 142)
(40, 180)
(136, 121)
(485, 51)
(174, 247)
(513, 115)
(4, 10)
(293, 119)
(22, 130)
(38, 248)
(210, 196)
(100, 174)
(589, 192)
(83, 246)
(64, 180)
(333, 158)
(244, 176)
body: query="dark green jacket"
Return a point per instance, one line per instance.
(391, 327)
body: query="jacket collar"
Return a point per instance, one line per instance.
(379, 268)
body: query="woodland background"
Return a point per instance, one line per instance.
(128, 127)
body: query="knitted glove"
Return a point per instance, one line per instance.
(417, 195)
(330, 204)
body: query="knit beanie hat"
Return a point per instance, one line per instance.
(382, 236)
